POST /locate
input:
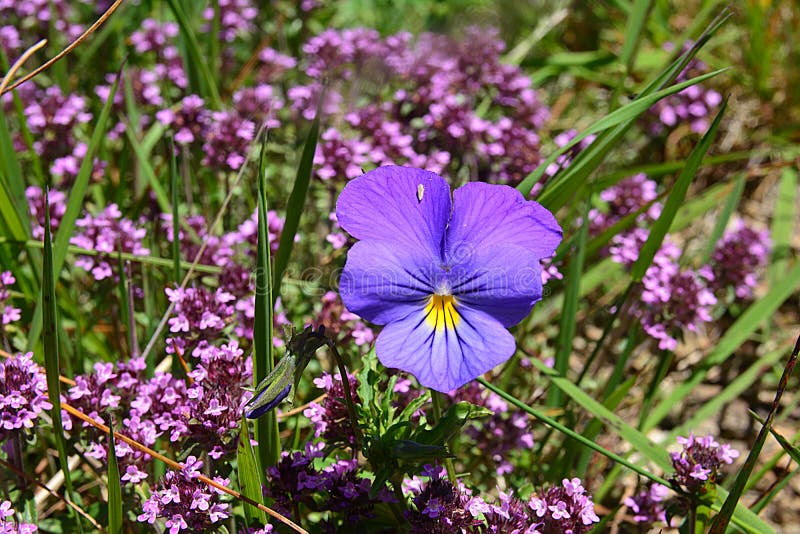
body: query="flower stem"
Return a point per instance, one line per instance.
(348, 397)
(436, 399)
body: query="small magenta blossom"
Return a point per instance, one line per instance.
(446, 277)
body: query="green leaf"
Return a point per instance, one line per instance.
(722, 519)
(143, 158)
(173, 185)
(13, 203)
(674, 200)
(66, 227)
(50, 345)
(725, 215)
(197, 60)
(633, 32)
(263, 361)
(734, 337)
(455, 417)
(572, 291)
(297, 201)
(114, 488)
(659, 457)
(784, 220)
(250, 479)
(623, 116)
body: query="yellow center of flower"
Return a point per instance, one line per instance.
(440, 312)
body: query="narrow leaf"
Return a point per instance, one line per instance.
(674, 200)
(114, 489)
(296, 205)
(50, 345)
(722, 519)
(725, 215)
(250, 480)
(75, 203)
(263, 361)
(734, 337)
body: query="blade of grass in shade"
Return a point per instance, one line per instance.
(122, 287)
(114, 489)
(147, 260)
(623, 116)
(674, 200)
(13, 204)
(9, 218)
(594, 427)
(197, 63)
(574, 435)
(297, 201)
(559, 191)
(775, 489)
(269, 444)
(725, 215)
(722, 519)
(22, 125)
(50, 346)
(739, 332)
(633, 34)
(668, 167)
(637, 440)
(176, 242)
(784, 219)
(740, 384)
(569, 312)
(250, 481)
(75, 203)
(143, 158)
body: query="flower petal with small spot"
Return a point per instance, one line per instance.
(446, 277)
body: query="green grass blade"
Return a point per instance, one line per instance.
(127, 256)
(9, 216)
(633, 33)
(263, 361)
(574, 435)
(296, 205)
(674, 200)
(250, 476)
(75, 203)
(176, 241)
(569, 312)
(50, 345)
(722, 520)
(197, 60)
(114, 489)
(784, 220)
(725, 215)
(13, 203)
(734, 337)
(737, 387)
(636, 439)
(143, 158)
(623, 116)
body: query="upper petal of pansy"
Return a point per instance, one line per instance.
(487, 214)
(502, 280)
(408, 207)
(382, 282)
(444, 345)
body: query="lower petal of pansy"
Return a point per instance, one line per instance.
(504, 281)
(445, 344)
(382, 283)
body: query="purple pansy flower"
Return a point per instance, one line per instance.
(446, 277)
